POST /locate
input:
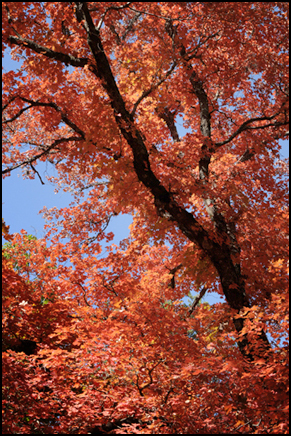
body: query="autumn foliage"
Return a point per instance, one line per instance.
(101, 340)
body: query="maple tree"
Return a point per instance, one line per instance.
(95, 344)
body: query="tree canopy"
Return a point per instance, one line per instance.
(104, 343)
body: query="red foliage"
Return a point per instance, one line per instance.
(98, 342)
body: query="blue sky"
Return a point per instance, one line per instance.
(24, 198)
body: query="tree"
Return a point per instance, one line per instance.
(113, 348)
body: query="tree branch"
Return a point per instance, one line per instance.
(32, 167)
(67, 59)
(245, 126)
(110, 8)
(149, 91)
(130, 25)
(38, 156)
(168, 117)
(197, 300)
(141, 388)
(173, 272)
(33, 103)
(10, 120)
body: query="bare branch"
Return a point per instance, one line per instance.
(193, 53)
(127, 30)
(32, 167)
(84, 294)
(92, 239)
(168, 394)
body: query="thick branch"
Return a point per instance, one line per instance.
(224, 255)
(199, 91)
(67, 59)
(169, 118)
(19, 113)
(220, 254)
(173, 272)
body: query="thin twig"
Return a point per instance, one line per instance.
(32, 167)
